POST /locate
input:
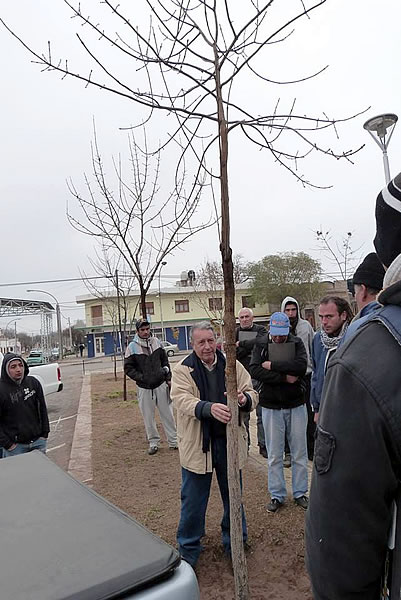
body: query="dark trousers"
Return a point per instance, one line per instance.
(195, 490)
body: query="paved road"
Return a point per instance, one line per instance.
(63, 407)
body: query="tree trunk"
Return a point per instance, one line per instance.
(237, 548)
(143, 300)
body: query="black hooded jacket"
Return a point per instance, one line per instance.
(23, 412)
(275, 392)
(357, 467)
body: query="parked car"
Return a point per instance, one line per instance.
(170, 349)
(36, 357)
(55, 354)
(65, 541)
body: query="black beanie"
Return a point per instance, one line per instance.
(388, 222)
(141, 323)
(370, 272)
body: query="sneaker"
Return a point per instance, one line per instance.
(152, 450)
(274, 505)
(173, 447)
(263, 451)
(302, 501)
(287, 460)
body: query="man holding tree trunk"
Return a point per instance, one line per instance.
(199, 395)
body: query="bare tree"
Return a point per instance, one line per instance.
(135, 224)
(209, 286)
(119, 286)
(189, 62)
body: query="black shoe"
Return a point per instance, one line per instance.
(274, 505)
(302, 501)
(287, 460)
(152, 450)
(263, 451)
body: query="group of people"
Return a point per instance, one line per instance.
(280, 372)
(344, 380)
(341, 381)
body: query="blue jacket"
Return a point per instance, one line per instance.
(363, 316)
(319, 355)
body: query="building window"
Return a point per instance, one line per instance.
(150, 308)
(248, 302)
(181, 306)
(215, 303)
(97, 315)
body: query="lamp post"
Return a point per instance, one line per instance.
(15, 331)
(58, 317)
(162, 264)
(381, 129)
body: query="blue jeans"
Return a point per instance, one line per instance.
(277, 423)
(195, 490)
(39, 444)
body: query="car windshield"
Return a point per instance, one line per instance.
(35, 354)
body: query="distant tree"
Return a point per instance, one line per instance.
(341, 253)
(286, 274)
(209, 286)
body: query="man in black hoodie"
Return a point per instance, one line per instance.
(24, 424)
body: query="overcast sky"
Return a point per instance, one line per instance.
(47, 127)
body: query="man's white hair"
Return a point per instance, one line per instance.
(246, 308)
(203, 326)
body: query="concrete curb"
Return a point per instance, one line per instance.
(80, 463)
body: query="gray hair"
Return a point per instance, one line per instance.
(246, 308)
(202, 326)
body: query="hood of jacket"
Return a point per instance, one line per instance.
(391, 295)
(288, 299)
(7, 358)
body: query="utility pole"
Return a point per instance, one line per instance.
(69, 328)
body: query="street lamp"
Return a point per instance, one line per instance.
(162, 264)
(381, 129)
(15, 331)
(58, 317)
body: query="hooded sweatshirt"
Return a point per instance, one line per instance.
(303, 330)
(23, 412)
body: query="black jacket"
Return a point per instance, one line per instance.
(357, 467)
(245, 347)
(148, 370)
(23, 412)
(275, 392)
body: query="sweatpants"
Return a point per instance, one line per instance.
(148, 400)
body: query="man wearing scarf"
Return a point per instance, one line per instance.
(335, 315)
(198, 393)
(147, 364)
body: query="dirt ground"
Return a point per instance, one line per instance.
(148, 488)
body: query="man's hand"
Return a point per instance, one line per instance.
(11, 448)
(242, 399)
(267, 365)
(221, 412)
(316, 417)
(291, 378)
(237, 344)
